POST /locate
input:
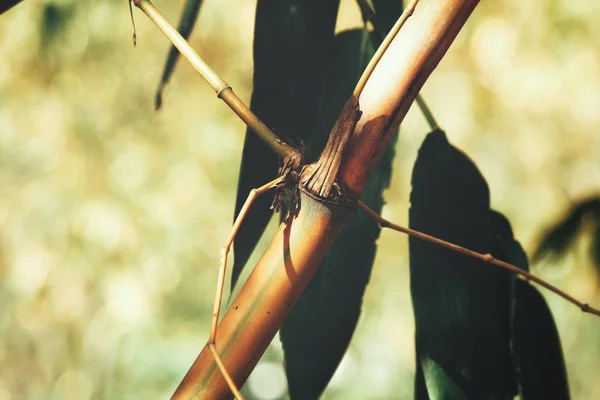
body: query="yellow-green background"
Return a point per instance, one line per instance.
(112, 215)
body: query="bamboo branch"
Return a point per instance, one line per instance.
(297, 249)
(221, 88)
(385, 43)
(488, 258)
(433, 125)
(300, 244)
(369, 16)
(216, 82)
(401, 72)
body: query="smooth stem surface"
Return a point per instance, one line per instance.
(395, 82)
(220, 87)
(254, 317)
(384, 223)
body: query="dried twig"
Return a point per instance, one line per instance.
(526, 276)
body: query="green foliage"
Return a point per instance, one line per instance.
(386, 13)
(292, 44)
(318, 330)
(477, 327)
(7, 4)
(461, 305)
(541, 368)
(537, 352)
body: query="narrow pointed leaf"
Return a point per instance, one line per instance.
(7, 5)
(186, 24)
(318, 330)
(541, 367)
(461, 305)
(386, 13)
(292, 49)
(595, 249)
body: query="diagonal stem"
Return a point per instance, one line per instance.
(223, 90)
(483, 257)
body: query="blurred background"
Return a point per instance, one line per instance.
(112, 215)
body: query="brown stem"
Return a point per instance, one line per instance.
(267, 297)
(384, 223)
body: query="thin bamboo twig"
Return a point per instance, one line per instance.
(134, 36)
(526, 276)
(254, 193)
(369, 16)
(408, 11)
(223, 90)
(433, 125)
(226, 375)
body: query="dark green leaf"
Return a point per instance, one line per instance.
(386, 13)
(505, 246)
(186, 24)
(292, 49)
(559, 238)
(461, 305)
(541, 367)
(536, 346)
(595, 249)
(8, 4)
(318, 330)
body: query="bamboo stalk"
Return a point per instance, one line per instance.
(277, 281)
(300, 244)
(396, 81)
(203, 379)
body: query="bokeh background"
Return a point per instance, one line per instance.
(112, 215)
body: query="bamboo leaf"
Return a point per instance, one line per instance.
(505, 247)
(561, 236)
(537, 351)
(186, 24)
(292, 49)
(595, 249)
(318, 330)
(387, 12)
(541, 367)
(461, 305)
(7, 5)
